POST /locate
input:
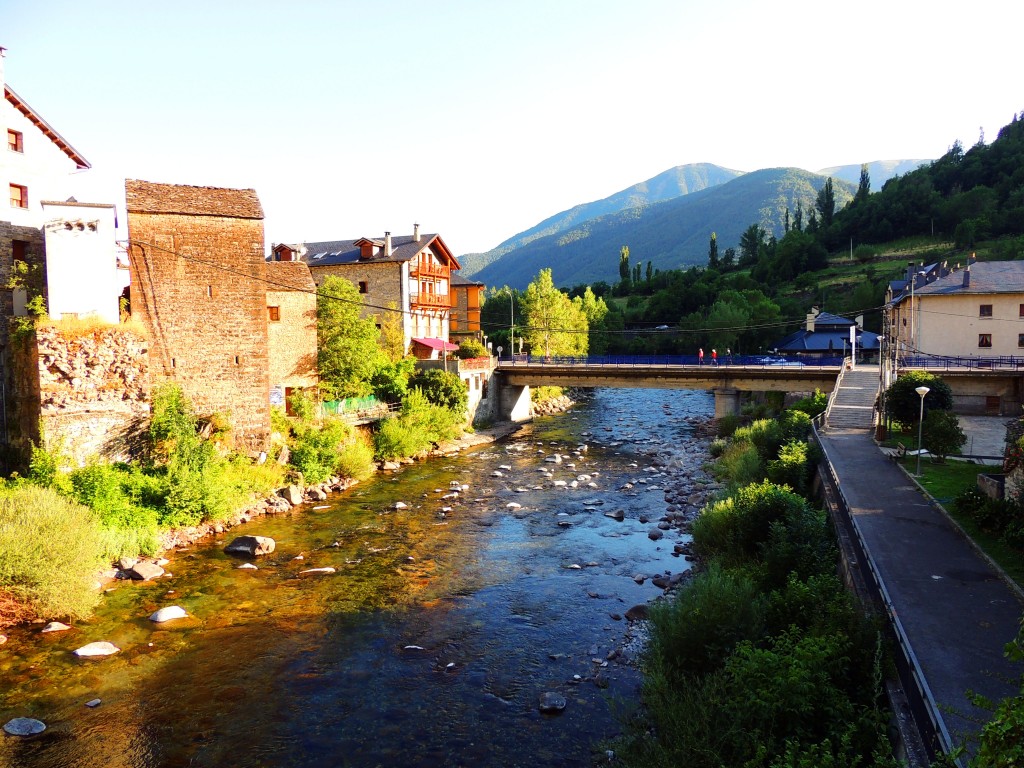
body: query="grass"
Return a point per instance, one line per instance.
(944, 482)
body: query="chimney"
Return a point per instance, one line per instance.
(416, 233)
(810, 319)
(387, 244)
(967, 276)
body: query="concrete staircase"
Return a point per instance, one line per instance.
(853, 406)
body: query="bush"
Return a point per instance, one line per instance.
(941, 434)
(903, 404)
(441, 388)
(419, 425)
(695, 633)
(355, 458)
(794, 467)
(740, 464)
(471, 348)
(800, 543)
(315, 449)
(130, 526)
(50, 551)
(717, 447)
(766, 435)
(727, 425)
(813, 405)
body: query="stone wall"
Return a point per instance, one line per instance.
(8, 234)
(198, 286)
(81, 389)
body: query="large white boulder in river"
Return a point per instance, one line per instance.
(168, 613)
(252, 546)
(102, 648)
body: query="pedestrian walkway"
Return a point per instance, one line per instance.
(951, 605)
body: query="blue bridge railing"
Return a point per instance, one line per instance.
(1002, 362)
(745, 361)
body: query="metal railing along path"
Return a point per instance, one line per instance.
(689, 361)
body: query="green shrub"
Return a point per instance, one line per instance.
(130, 527)
(49, 469)
(51, 549)
(740, 464)
(766, 435)
(355, 458)
(941, 434)
(315, 449)
(471, 348)
(441, 388)
(800, 543)
(395, 439)
(727, 425)
(813, 405)
(717, 447)
(695, 633)
(903, 404)
(794, 467)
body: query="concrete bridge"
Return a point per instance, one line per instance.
(726, 380)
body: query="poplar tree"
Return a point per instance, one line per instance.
(553, 324)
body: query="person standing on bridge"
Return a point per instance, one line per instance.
(714, 357)
(700, 356)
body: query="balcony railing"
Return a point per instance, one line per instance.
(429, 270)
(431, 300)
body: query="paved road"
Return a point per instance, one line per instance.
(954, 608)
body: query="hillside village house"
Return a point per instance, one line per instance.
(467, 298)
(977, 311)
(291, 330)
(410, 274)
(828, 335)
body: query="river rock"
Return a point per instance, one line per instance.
(618, 514)
(252, 546)
(102, 648)
(400, 505)
(24, 726)
(390, 466)
(325, 569)
(55, 626)
(292, 494)
(93, 703)
(655, 533)
(168, 613)
(249, 566)
(637, 613)
(551, 702)
(144, 570)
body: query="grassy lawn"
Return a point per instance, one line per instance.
(944, 482)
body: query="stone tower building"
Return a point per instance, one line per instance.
(197, 283)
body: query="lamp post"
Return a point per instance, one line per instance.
(512, 324)
(922, 391)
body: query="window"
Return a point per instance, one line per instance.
(1020, 339)
(985, 310)
(985, 340)
(14, 141)
(363, 286)
(274, 313)
(238, 359)
(19, 250)
(1022, 310)
(19, 196)
(209, 291)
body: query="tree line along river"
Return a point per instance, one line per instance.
(430, 644)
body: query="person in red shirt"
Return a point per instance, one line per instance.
(714, 357)
(700, 356)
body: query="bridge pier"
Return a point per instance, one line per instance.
(727, 402)
(513, 400)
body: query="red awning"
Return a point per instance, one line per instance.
(439, 344)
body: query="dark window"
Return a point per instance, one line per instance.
(363, 286)
(1020, 339)
(1022, 310)
(14, 141)
(238, 360)
(985, 310)
(984, 339)
(274, 313)
(19, 196)
(19, 250)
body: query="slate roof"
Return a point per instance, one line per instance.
(151, 197)
(458, 279)
(288, 276)
(818, 341)
(403, 248)
(986, 277)
(828, 320)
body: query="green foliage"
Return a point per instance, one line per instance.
(813, 405)
(695, 633)
(441, 388)
(115, 495)
(799, 543)
(355, 458)
(419, 425)
(739, 464)
(941, 434)
(794, 466)
(48, 469)
(470, 348)
(903, 404)
(390, 381)
(50, 551)
(347, 344)
(1002, 739)
(315, 451)
(717, 447)
(727, 425)
(554, 325)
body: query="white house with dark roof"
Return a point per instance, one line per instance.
(827, 335)
(408, 274)
(977, 311)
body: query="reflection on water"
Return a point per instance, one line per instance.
(429, 645)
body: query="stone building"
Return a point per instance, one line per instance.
(291, 329)
(410, 274)
(197, 284)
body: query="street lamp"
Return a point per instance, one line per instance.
(922, 391)
(512, 323)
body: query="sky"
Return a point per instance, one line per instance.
(479, 118)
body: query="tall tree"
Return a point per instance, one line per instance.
(798, 217)
(713, 262)
(347, 344)
(864, 187)
(650, 271)
(553, 324)
(595, 310)
(624, 270)
(392, 335)
(750, 243)
(825, 203)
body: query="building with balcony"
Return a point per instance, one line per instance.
(467, 298)
(407, 274)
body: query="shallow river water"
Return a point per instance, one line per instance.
(431, 643)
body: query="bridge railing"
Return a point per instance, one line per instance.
(743, 361)
(949, 362)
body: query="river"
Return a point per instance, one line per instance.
(430, 644)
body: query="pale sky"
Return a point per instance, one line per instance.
(480, 118)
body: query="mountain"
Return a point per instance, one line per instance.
(880, 171)
(671, 234)
(673, 183)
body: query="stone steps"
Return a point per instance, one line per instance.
(853, 406)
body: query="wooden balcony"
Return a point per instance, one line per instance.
(432, 300)
(429, 269)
